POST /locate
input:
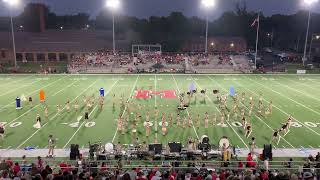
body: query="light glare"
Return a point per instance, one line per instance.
(207, 3)
(11, 2)
(309, 2)
(113, 4)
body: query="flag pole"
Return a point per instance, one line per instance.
(257, 41)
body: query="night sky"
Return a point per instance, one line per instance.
(146, 8)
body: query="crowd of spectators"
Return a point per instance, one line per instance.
(247, 170)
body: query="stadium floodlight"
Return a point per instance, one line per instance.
(318, 37)
(113, 5)
(308, 3)
(13, 3)
(232, 45)
(207, 4)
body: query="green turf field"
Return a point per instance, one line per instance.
(291, 94)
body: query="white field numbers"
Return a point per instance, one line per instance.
(87, 124)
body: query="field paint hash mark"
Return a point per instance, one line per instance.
(55, 115)
(254, 113)
(65, 88)
(130, 97)
(89, 116)
(227, 120)
(194, 129)
(281, 109)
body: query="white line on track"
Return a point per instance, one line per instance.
(227, 120)
(35, 91)
(55, 115)
(281, 109)
(65, 88)
(254, 113)
(89, 116)
(194, 129)
(134, 85)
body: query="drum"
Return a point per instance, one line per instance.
(109, 148)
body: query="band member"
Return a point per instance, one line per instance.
(178, 120)
(285, 128)
(119, 148)
(214, 119)
(243, 97)
(30, 101)
(250, 101)
(58, 109)
(260, 106)
(148, 129)
(163, 128)
(68, 106)
(2, 130)
(86, 115)
(191, 145)
(134, 130)
(250, 110)
(38, 122)
(120, 125)
(50, 146)
(170, 119)
(46, 112)
(270, 107)
(198, 121)
(206, 120)
(243, 112)
(222, 119)
(276, 136)
(244, 122)
(252, 145)
(248, 130)
(184, 122)
(189, 120)
(101, 102)
(76, 105)
(289, 122)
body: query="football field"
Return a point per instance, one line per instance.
(296, 95)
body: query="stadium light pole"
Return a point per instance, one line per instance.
(313, 37)
(207, 4)
(12, 3)
(308, 3)
(113, 5)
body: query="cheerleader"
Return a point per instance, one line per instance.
(198, 121)
(276, 136)
(2, 130)
(184, 123)
(148, 129)
(30, 101)
(68, 106)
(244, 122)
(170, 119)
(163, 128)
(222, 118)
(189, 120)
(58, 109)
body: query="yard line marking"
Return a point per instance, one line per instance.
(89, 116)
(55, 115)
(155, 89)
(23, 86)
(194, 129)
(311, 146)
(238, 147)
(13, 82)
(21, 115)
(302, 147)
(65, 88)
(220, 113)
(130, 97)
(253, 113)
(283, 146)
(8, 147)
(79, 128)
(281, 109)
(36, 91)
(299, 82)
(303, 93)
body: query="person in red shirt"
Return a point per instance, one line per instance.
(222, 175)
(63, 166)
(16, 168)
